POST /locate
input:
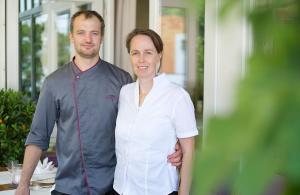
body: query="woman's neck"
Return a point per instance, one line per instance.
(145, 85)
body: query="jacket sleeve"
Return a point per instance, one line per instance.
(44, 118)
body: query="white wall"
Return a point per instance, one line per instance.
(226, 48)
(2, 44)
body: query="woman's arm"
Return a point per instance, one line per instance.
(188, 147)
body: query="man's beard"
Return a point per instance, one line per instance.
(87, 54)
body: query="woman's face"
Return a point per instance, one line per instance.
(144, 57)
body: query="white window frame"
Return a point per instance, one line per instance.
(2, 45)
(12, 43)
(155, 7)
(227, 46)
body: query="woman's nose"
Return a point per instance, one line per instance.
(141, 58)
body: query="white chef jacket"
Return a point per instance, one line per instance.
(146, 134)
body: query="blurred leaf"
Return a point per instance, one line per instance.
(248, 149)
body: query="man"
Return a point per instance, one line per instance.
(82, 99)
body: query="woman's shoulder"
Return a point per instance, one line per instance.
(128, 88)
(177, 90)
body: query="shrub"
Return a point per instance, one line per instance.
(16, 111)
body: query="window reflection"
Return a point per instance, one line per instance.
(22, 5)
(39, 37)
(174, 37)
(25, 55)
(28, 5)
(36, 3)
(44, 42)
(63, 43)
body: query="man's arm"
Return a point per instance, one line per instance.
(31, 157)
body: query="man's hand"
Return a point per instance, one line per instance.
(176, 158)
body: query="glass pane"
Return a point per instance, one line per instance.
(29, 5)
(63, 43)
(22, 5)
(49, 47)
(39, 41)
(36, 3)
(85, 6)
(174, 37)
(25, 56)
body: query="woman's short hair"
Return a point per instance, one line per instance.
(156, 39)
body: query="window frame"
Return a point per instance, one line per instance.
(191, 30)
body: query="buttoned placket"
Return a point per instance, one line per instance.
(82, 159)
(139, 110)
(128, 152)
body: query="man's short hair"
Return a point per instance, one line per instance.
(88, 14)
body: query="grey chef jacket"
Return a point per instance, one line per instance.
(84, 106)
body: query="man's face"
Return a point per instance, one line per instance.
(86, 37)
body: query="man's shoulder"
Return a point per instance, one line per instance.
(59, 74)
(117, 72)
(114, 67)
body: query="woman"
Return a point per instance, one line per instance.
(153, 114)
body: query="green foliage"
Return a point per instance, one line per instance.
(25, 56)
(16, 113)
(258, 141)
(173, 11)
(64, 47)
(37, 44)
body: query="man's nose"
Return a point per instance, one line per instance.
(88, 38)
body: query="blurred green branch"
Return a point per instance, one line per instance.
(248, 149)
